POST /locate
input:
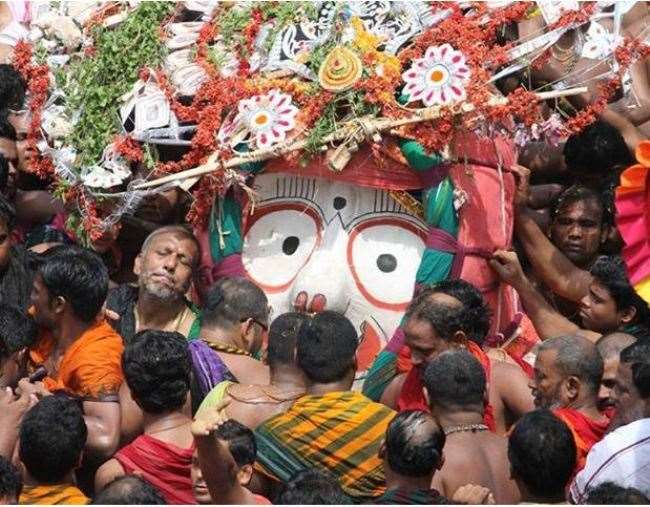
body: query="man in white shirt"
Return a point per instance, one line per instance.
(623, 456)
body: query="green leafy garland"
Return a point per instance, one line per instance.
(94, 84)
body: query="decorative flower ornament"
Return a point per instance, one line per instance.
(438, 78)
(264, 118)
(340, 70)
(599, 42)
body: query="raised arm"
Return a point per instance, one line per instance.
(552, 267)
(548, 323)
(217, 464)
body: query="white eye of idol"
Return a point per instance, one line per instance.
(278, 244)
(384, 256)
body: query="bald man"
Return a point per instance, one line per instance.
(610, 347)
(568, 372)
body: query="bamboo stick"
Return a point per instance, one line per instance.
(353, 128)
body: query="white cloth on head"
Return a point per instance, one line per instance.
(622, 457)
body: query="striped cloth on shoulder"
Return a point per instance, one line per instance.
(339, 433)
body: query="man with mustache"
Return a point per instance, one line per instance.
(452, 315)
(610, 347)
(623, 456)
(568, 371)
(164, 268)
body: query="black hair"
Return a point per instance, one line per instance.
(7, 213)
(608, 493)
(312, 487)
(12, 88)
(477, 313)
(16, 278)
(52, 437)
(7, 130)
(17, 330)
(79, 276)
(445, 318)
(579, 193)
(542, 454)
(129, 490)
(157, 367)
(599, 149)
(4, 173)
(577, 356)
(232, 300)
(11, 484)
(455, 379)
(327, 345)
(241, 441)
(46, 234)
(283, 338)
(609, 271)
(412, 449)
(637, 356)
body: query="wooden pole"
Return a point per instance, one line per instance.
(354, 127)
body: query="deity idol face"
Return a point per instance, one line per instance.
(313, 244)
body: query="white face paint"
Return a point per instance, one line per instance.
(318, 244)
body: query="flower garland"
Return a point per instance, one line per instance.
(38, 83)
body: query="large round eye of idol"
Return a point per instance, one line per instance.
(384, 255)
(278, 242)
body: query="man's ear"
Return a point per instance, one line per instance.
(460, 338)
(58, 304)
(627, 315)
(605, 232)
(572, 387)
(137, 265)
(245, 474)
(426, 396)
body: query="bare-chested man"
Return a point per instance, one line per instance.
(252, 404)
(234, 320)
(164, 268)
(456, 387)
(449, 316)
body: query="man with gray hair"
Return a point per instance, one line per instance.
(164, 267)
(568, 372)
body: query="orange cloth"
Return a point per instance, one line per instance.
(54, 494)
(90, 368)
(586, 432)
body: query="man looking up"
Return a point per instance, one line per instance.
(456, 388)
(80, 353)
(331, 428)
(610, 347)
(412, 454)
(253, 404)
(234, 320)
(164, 269)
(542, 455)
(157, 370)
(568, 371)
(623, 456)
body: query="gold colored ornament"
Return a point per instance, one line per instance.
(340, 70)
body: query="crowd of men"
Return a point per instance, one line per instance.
(120, 386)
